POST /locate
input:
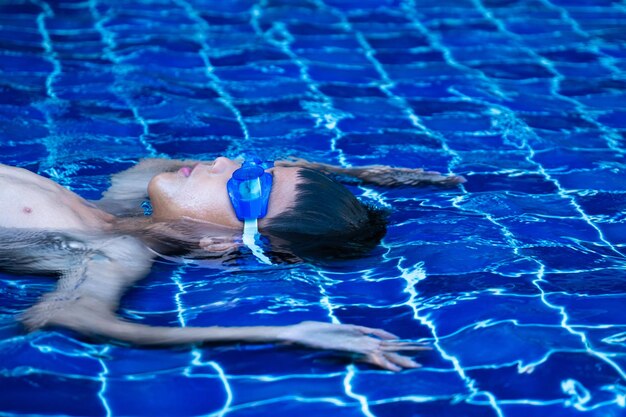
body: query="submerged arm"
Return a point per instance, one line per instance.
(380, 174)
(88, 295)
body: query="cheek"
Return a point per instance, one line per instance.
(164, 192)
(206, 201)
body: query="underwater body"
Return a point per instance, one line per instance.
(516, 277)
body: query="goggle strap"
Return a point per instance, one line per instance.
(250, 232)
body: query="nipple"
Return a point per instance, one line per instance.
(27, 210)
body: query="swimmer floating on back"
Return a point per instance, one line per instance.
(99, 249)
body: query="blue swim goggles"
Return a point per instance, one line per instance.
(249, 191)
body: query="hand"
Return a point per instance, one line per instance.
(296, 162)
(383, 175)
(390, 176)
(379, 350)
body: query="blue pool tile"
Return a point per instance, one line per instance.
(519, 71)
(90, 92)
(466, 123)
(560, 123)
(561, 408)
(55, 394)
(326, 74)
(593, 179)
(480, 162)
(533, 230)
(328, 41)
(164, 59)
(374, 124)
(377, 293)
(614, 231)
(587, 282)
(445, 227)
(291, 406)
(425, 384)
(604, 101)
(591, 309)
(508, 204)
(526, 344)
(255, 90)
(247, 56)
(479, 256)
(313, 29)
(397, 320)
(212, 126)
(248, 391)
(188, 399)
(542, 382)
(270, 107)
(433, 407)
(615, 119)
(541, 86)
(607, 203)
(121, 361)
(367, 106)
(582, 87)
(396, 41)
(432, 107)
(408, 58)
(591, 70)
(330, 56)
(24, 63)
(586, 139)
(99, 127)
(566, 159)
(302, 12)
(456, 284)
(346, 90)
(281, 126)
(527, 183)
(457, 315)
(436, 88)
(432, 70)
(567, 258)
(16, 152)
(180, 149)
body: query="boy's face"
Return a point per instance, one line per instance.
(199, 192)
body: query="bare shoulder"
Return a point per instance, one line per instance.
(30, 201)
(11, 171)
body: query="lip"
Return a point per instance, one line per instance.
(186, 170)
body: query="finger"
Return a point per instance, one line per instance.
(382, 362)
(401, 360)
(400, 342)
(407, 348)
(383, 334)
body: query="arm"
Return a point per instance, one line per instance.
(380, 174)
(88, 295)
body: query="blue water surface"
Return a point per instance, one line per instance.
(517, 277)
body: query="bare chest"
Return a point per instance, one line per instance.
(30, 201)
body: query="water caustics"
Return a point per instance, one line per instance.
(517, 277)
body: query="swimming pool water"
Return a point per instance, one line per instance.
(517, 277)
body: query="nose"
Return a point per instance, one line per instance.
(223, 164)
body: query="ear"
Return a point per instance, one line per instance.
(219, 244)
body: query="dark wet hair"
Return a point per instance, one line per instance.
(326, 221)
